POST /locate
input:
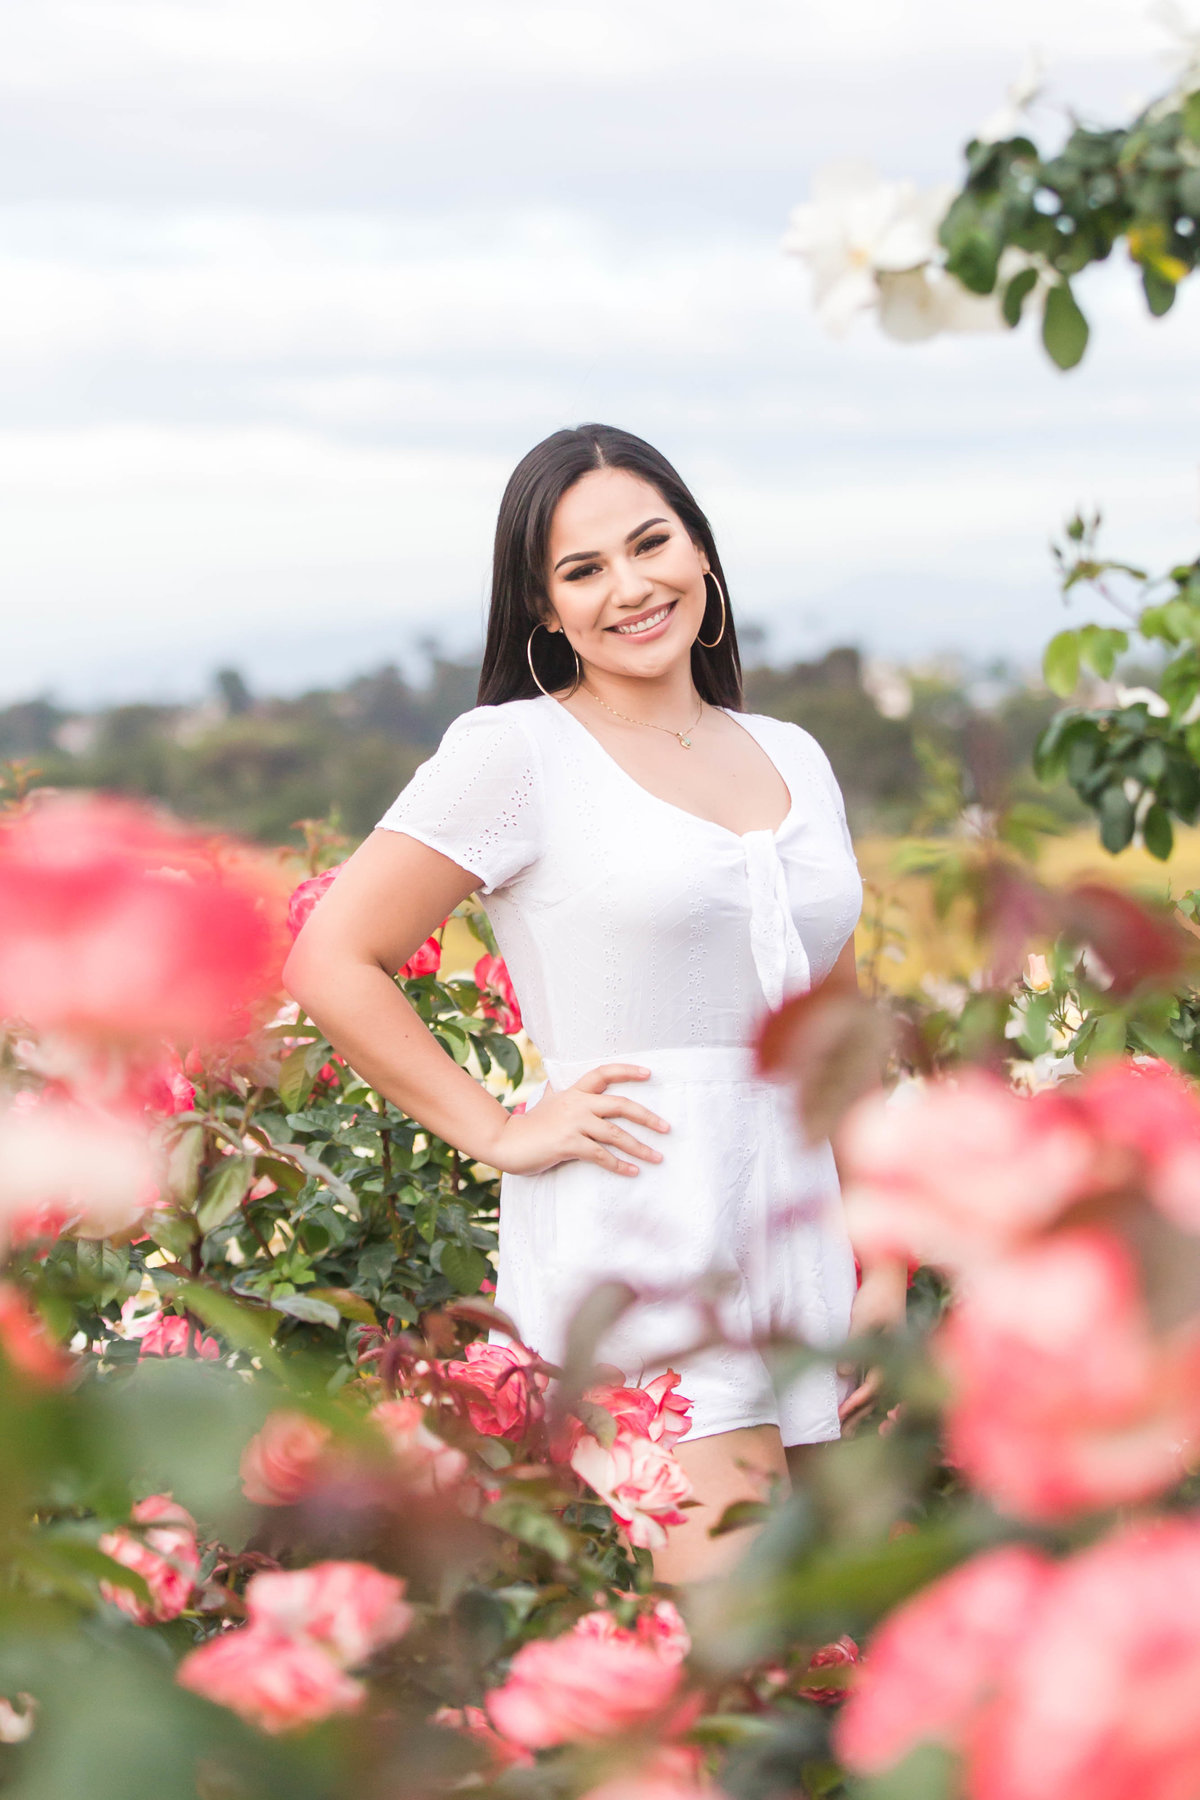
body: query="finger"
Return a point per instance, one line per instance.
(595, 1079)
(624, 1140)
(598, 1154)
(611, 1106)
(862, 1396)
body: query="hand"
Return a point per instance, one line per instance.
(578, 1123)
(880, 1305)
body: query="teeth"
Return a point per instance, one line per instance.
(644, 624)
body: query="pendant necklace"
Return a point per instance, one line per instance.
(683, 737)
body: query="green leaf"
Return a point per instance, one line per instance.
(299, 1071)
(526, 1522)
(463, 1266)
(312, 1165)
(173, 1232)
(1157, 833)
(1016, 294)
(1116, 819)
(347, 1303)
(1064, 328)
(224, 1191)
(1191, 117)
(1159, 290)
(245, 1327)
(75, 1569)
(307, 1308)
(184, 1157)
(1060, 663)
(1100, 646)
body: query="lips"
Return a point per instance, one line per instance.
(658, 614)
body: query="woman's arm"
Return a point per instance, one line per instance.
(389, 897)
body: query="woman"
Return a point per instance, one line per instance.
(660, 868)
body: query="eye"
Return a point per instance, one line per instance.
(652, 543)
(580, 570)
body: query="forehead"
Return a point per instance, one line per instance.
(601, 509)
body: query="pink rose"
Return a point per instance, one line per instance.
(287, 1667)
(640, 1481)
(1062, 1399)
(281, 1462)
(26, 1344)
(1144, 1115)
(952, 1173)
(581, 1687)
(1098, 1696)
(426, 1463)
(661, 1629)
(425, 961)
(503, 1391)
(69, 1165)
(349, 1608)
(497, 999)
(274, 1682)
(655, 1411)
(306, 895)
(169, 1335)
(840, 1654)
(165, 1555)
(117, 928)
(166, 1088)
(936, 1659)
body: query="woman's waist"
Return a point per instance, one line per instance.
(674, 1062)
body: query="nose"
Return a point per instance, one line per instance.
(631, 586)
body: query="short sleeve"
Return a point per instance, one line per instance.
(829, 782)
(478, 798)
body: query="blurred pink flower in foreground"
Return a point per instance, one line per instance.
(585, 1685)
(954, 1172)
(165, 1555)
(1061, 1396)
(502, 1390)
(472, 1722)
(426, 1463)
(280, 1464)
(118, 928)
(26, 1343)
(66, 1165)
(642, 1483)
(1068, 1681)
(497, 999)
(932, 1663)
(288, 1667)
(957, 1172)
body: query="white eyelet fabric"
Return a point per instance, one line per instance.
(635, 931)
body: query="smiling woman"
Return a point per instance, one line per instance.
(651, 908)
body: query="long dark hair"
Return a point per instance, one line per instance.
(519, 598)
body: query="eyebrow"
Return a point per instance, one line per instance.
(588, 555)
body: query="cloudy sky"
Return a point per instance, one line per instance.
(287, 286)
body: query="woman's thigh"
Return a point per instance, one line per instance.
(724, 1468)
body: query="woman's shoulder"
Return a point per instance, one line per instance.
(509, 723)
(784, 732)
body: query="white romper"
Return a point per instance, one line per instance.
(636, 931)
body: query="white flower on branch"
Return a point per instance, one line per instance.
(872, 246)
(858, 227)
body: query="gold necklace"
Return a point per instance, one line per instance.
(682, 736)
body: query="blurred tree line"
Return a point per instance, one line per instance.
(256, 764)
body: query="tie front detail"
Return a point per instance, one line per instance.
(775, 944)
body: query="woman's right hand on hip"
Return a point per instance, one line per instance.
(579, 1123)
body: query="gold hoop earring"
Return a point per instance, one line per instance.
(721, 592)
(529, 658)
